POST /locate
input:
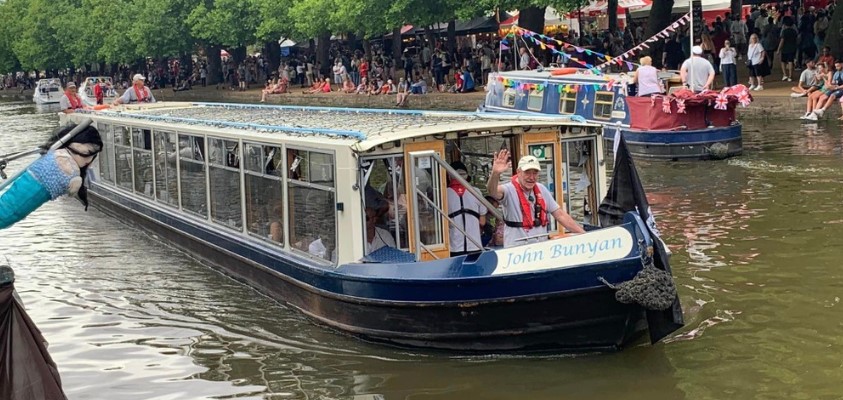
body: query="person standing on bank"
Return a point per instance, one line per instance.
(526, 202)
(138, 93)
(727, 64)
(468, 214)
(70, 100)
(756, 61)
(697, 73)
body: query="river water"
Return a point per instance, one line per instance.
(756, 242)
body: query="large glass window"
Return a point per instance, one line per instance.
(224, 172)
(106, 157)
(385, 207)
(192, 167)
(166, 182)
(142, 158)
(263, 168)
(312, 203)
(567, 102)
(603, 104)
(535, 100)
(580, 193)
(123, 157)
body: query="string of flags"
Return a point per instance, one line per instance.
(560, 87)
(554, 45)
(663, 34)
(738, 94)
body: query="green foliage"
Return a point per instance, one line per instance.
(34, 40)
(226, 22)
(274, 19)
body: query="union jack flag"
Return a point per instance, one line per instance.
(680, 106)
(722, 102)
(665, 105)
(744, 99)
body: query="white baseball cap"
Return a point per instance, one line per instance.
(697, 50)
(138, 77)
(529, 162)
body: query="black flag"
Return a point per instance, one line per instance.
(626, 193)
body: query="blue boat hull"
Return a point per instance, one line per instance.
(553, 310)
(683, 145)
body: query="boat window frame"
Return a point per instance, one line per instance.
(204, 163)
(610, 103)
(363, 179)
(155, 154)
(282, 183)
(309, 185)
(107, 148)
(564, 101)
(143, 150)
(509, 93)
(532, 94)
(131, 160)
(225, 167)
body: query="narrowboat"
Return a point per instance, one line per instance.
(47, 91)
(88, 90)
(676, 126)
(286, 199)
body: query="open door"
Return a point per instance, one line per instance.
(426, 203)
(545, 146)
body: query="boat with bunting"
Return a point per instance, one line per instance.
(678, 125)
(286, 200)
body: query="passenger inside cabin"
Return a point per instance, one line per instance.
(376, 237)
(276, 227)
(468, 213)
(493, 229)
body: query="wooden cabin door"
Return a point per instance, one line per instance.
(425, 185)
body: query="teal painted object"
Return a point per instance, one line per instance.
(23, 197)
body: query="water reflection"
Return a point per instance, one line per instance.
(755, 244)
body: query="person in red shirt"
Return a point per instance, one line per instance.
(364, 68)
(98, 91)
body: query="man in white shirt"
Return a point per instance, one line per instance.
(697, 72)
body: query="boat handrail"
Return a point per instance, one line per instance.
(452, 173)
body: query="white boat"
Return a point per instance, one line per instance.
(284, 199)
(47, 91)
(86, 90)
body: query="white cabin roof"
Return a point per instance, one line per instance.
(361, 129)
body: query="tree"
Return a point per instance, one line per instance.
(660, 18)
(834, 35)
(8, 60)
(230, 23)
(34, 43)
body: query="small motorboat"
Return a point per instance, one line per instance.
(47, 91)
(88, 91)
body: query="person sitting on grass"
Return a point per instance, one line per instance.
(806, 79)
(420, 87)
(320, 87)
(348, 85)
(403, 93)
(362, 88)
(388, 88)
(467, 81)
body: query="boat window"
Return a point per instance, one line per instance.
(535, 100)
(567, 102)
(388, 207)
(106, 158)
(312, 203)
(578, 171)
(263, 167)
(476, 153)
(123, 157)
(166, 184)
(509, 98)
(142, 158)
(427, 174)
(603, 104)
(192, 169)
(224, 176)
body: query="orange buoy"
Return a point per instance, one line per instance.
(564, 71)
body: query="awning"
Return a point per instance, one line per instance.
(600, 7)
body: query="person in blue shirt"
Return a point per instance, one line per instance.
(468, 81)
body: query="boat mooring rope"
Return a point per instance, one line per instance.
(651, 288)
